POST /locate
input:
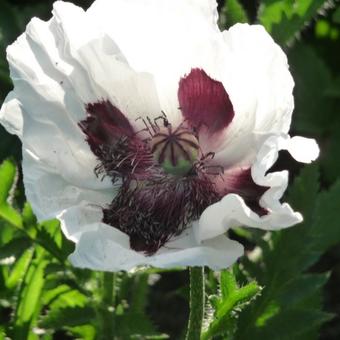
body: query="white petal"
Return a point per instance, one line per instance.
(256, 75)
(232, 211)
(166, 38)
(57, 67)
(98, 249)
(11, 115)
(303, 149)
(49, 193)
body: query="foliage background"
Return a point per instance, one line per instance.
(287, 285)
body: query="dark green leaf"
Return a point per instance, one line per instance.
(231, 300)
(232, 13)
(8, 175)
(28, 298)
(336, 16)
(314, 111)
(289, 293)
(285, 18)
(14, 247)
(46, 241)
(7, 179)
(136, 325)
(19, 269)
(68, 317)
(291, 323)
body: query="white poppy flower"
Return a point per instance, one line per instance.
(149, 133)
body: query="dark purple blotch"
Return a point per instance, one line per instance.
(204, 102)
(104, 125)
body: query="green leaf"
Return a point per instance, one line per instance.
(314, 110)
(28, 216)
(68, 317)
(8, 174)
(47, 242)
(7, 179)
(139, 293)
(232, 13)
(9, 26)
(336, 16)
(14, 247)
(19, 269)
(291, 323)
(63, 296)
(288, 291)
(231, 300)
(136, 325)
(325, 229)
(29, 297)
(285, 18)
(85, 332)
(228, 284)
(296, 291)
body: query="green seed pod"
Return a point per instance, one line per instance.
(175, 151)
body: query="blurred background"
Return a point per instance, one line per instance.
(43, 297)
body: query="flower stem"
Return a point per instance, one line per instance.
(106, 308)
(197, 295)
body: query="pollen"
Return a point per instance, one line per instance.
(176, 151)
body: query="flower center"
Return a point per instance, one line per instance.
(176, 151)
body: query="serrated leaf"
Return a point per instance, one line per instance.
(291, 323)
(68, 317)
(8, 174)
(298, 289)
(285, 18)
(47, 242)
(28, 298)
(228, 284)
(288, 291)
(7, 179)
(11, 215)
(19, 269)
(86, 332)
(14, 247)
(232, 13)
(28, 216)
(232, 298)
(313, 79)
(135, 324)
(63, 296)
(325, 229)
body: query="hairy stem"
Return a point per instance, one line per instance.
(106, 307)
(197, 295)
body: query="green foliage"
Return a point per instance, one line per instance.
(7, 179)
(286, 18)
(59, 318)
(313, 79)
(232, 13)
(226, 306)
(289, 293)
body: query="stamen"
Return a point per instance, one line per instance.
(153, 211)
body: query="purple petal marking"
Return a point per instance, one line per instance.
(204, 102)
(241, 183)
(103, 125)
